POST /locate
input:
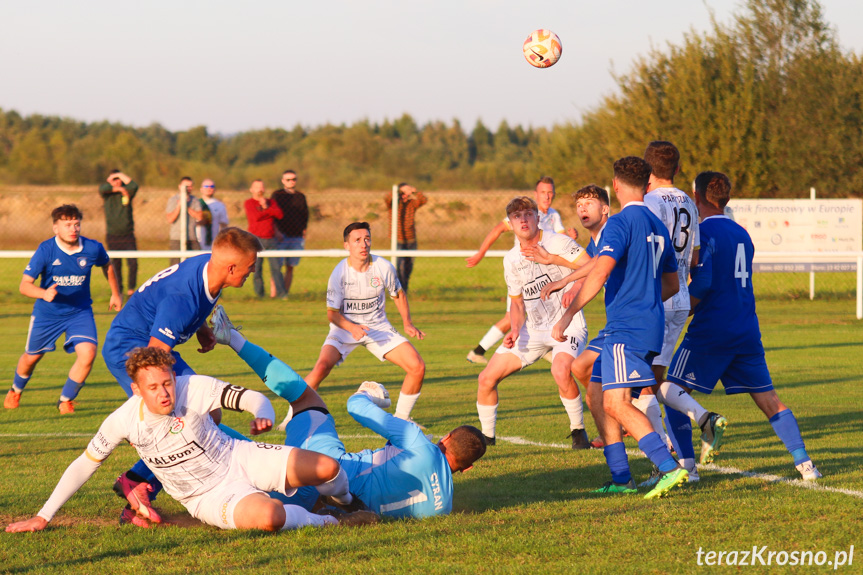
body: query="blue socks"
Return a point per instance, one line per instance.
(70, 389)
(657, 452)
(18, 382)
(279, 377)
(679, 426)
(785, 425)
(615, 457)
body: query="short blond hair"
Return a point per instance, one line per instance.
(144, 357)
(239, 240)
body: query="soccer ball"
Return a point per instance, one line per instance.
(542, 48)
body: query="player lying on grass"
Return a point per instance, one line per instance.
(723, 341)
(409, 477)
(218, 479)
(532, 320)
(357, 314)
(63, 304)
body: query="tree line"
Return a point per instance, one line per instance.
(770, 98)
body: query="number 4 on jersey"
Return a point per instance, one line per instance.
(740, 265)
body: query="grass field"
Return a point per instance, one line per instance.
(525, 507)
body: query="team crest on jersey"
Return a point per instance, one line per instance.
(376, 282)
(82, 261)
(177, 425)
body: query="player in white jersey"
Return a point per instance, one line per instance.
(218, 479)
(532, 320)
(549, 221)
(678, 213)
(357, 314)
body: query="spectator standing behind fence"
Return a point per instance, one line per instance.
(291, 228)
(118, 193)
(172, 214)
(410, 200)
(215, 216)
(262, 215)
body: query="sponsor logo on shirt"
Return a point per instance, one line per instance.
(177, 425)
(100, 446)
(57, 262)
(361, 306)
(69, 281)
(606, 249)
(167, 332)
(532, 290)
(225, 505)
(82, 261)
(186, 453)
(436, 491)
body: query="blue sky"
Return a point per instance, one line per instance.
(236, 66)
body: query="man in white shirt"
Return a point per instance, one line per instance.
(220, 480)
(533, 318)
(357, 314)
(215, 216)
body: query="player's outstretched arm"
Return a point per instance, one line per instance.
(592, 285)
(576, 275)
(401, 301)
(357, 331)
(670, 285)
(486, 244)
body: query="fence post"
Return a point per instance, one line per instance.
(859, 287)
(184, 221)
(394, 232)
(811, 274)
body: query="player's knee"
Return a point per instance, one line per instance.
(271, 517)
(417, 368)
(86, 354)
(486, 381)
(327, 468)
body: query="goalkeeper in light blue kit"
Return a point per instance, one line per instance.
(723, 341)
(410, 477)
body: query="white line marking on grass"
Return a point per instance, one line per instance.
(46, 435)
(711, 467)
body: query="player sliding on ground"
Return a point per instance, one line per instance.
(357, 314)
(409, 477)
(723, 341)
(220, 480)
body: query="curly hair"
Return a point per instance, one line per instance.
(144, 357)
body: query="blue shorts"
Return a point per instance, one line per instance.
(297, 243)
(625, 366)
(595, 345)
(314, 431)
(116, 364)
(43, 332)
(739, 373)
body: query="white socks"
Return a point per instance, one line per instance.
(575, 411)
(405, 405)
(296, 517)
(337, 488)
(676, 397)
(487, 418)
(493, 336)
(237, 341)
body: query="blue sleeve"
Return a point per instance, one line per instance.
(399, 432)
(614, 239)
(102, 258)
(173, 317)
(36, 266)
(702, 274)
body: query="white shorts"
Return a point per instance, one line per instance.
(675, 320)
(255, 468)
(381, 339)
(532, 345)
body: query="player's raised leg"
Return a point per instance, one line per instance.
(492, 336)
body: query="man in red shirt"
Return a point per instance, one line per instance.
(261, 214)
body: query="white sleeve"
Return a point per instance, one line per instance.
(76, 475)
(557, 223)
(565, 247)
(335, 292)
(390, 278)
(258, 405)
(514, 284)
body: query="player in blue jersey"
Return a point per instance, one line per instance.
(723, 342)
(166, 311)
(409, 477)
(636, 264)
(63, 304)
